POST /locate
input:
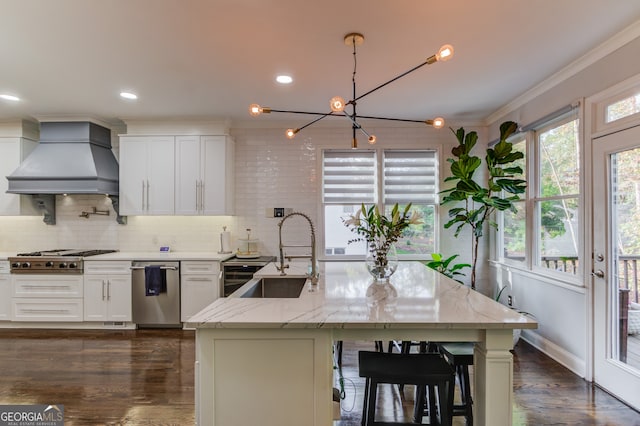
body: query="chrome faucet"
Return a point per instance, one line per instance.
(313, 275)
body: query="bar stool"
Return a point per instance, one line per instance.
(460, 356)
(422, 370)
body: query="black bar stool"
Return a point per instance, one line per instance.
(460, 356)
(423, 370)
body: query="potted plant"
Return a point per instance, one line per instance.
(476, 201)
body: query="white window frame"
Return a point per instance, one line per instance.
(532, 198)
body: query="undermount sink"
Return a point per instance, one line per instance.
(275, 287)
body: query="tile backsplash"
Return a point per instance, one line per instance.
(270, 171)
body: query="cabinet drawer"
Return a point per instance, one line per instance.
(107, 267)
(47, 286)
(33, 309)
(197, 267)
(4, 266)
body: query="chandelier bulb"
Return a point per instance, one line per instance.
(291, 133)
(337, 104)
(445, 53)
(255, 110)
(438, 123)
(372, 139)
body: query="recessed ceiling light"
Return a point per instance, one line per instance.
(10, 97)
(128, 95)
(284, 79)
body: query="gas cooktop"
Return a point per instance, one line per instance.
(58, 261)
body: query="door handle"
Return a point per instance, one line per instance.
(598, 274)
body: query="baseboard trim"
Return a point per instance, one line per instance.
(557, 353)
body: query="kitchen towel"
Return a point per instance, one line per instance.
(155, 280)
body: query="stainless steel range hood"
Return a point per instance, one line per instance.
(72, 158)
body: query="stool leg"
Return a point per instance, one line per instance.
(434, 406)
(465, 392)
(371, 402)
(365, 402)
(418, 405)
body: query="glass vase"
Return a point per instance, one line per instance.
(382, 261)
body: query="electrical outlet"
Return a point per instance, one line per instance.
(278, 212)
(509, 300)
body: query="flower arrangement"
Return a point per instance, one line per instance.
(380, 232)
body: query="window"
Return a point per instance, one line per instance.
(545, 231)
(385, 177)
(623, 108)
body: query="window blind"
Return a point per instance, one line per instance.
(349, 177)
(410, 177)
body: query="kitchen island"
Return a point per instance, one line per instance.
(268, 361)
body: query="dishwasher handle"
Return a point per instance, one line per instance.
(169, 268)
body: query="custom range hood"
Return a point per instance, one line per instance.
(72, 158)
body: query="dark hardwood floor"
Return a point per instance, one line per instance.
(145, 377)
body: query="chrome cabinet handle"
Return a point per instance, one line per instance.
(168, 268)
(108, 290)
(147, 194)
(102, 289)
(142, 194)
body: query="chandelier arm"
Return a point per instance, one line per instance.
(324, 114)
(392, 119)
(357, 125)
(315, 121)
(428, 61)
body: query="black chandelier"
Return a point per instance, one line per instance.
(338, 104)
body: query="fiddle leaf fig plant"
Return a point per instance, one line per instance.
(476, 200)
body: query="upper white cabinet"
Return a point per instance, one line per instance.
(12, 151)
(147, 174)
(204, 175)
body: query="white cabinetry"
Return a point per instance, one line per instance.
(147, 175)
(199, 285)
(47, 297)
(204, 175)
(5, 291)
(107, 291)
(12, 152)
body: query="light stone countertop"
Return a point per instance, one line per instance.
(345, 297)
(157, 255)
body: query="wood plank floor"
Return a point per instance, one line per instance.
(145, 377)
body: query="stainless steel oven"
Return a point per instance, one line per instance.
(236, 272)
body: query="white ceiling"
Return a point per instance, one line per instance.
(212, 58)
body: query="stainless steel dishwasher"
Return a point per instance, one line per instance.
(162, 310)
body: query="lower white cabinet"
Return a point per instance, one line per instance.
(199, 286)
(107, 291)
(47, 297)
(5, 291)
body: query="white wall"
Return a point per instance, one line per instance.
(562, 309)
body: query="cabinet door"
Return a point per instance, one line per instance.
(188, 179)
(133, 175)
(95, 298)
(161, 176)
(12, 152)
(5, 297)
(119, 298)
(217, 175)
(147, 174)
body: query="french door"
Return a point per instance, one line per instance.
(616, 262)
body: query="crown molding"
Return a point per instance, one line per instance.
(612, 44)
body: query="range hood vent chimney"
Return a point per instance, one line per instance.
(72, 158)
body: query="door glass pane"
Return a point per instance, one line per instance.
(625, 232)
